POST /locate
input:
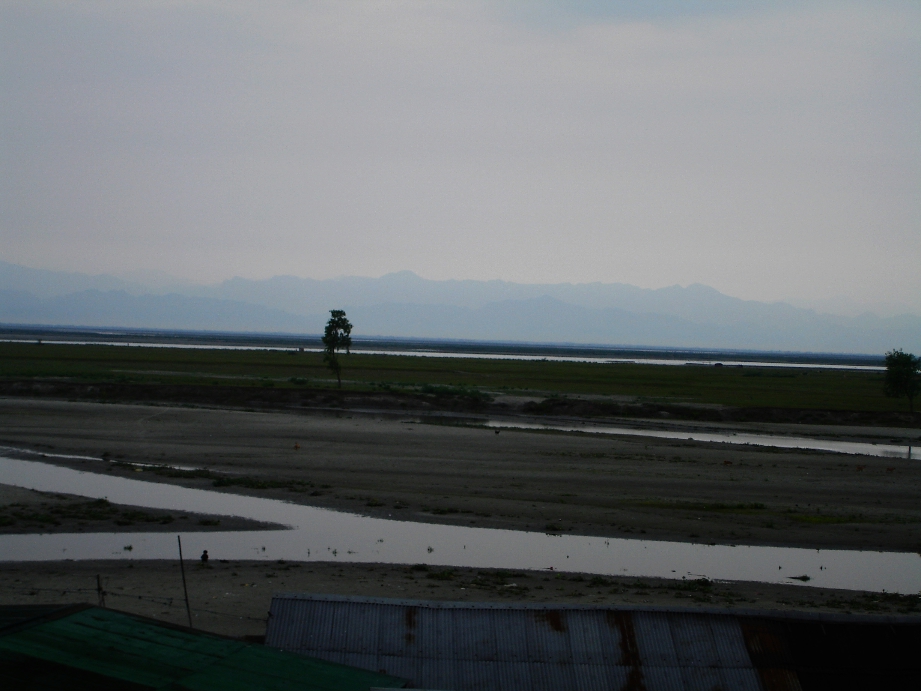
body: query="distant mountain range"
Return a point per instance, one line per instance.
(404, 305)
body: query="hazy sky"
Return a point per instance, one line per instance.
(770, 149)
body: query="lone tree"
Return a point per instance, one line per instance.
(903, 376)
(338, 335)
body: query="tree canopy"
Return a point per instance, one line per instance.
(337, 336)
(903, 376)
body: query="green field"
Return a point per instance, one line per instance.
(734, 386)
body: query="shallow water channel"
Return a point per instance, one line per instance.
(324, 535)
(776, 441)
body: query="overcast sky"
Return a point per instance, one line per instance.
(771, 150)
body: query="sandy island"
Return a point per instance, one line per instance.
(28, 511)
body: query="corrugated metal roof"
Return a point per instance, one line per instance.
(486, 646)
(14, 616)
(91, 647)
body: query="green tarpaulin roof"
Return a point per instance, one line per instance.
(91, 647)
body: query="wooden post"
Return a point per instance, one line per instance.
(184, 587)
(100, 592)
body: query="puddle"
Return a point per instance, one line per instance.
(780, 442)
(324, 535)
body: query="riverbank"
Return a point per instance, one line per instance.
(394, 466)
(758, 397)
(232, 597)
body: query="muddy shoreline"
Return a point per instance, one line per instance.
(233, 597)
(586, 407)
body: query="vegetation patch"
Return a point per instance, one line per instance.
(239, 378)
(95, 510)
(878, 602)
(166, 471)
(832, 519)
(698, 585)
(718, 507)
(469, 394)
(258, 483)
(447, 511)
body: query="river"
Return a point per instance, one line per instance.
(315, 534)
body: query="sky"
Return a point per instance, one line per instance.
(771, 150)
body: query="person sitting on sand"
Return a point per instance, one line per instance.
(204, 557)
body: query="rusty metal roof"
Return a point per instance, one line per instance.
(485, 646)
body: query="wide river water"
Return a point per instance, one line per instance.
(324, 535)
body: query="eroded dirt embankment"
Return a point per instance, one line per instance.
(281, 398)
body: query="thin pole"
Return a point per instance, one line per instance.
(100, 592)
(184, 587)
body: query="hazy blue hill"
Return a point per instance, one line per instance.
(404, 304)
(118, 308)
(18, 307)
(549, 320)
(43, 283)
(697, 303)
(308, 295)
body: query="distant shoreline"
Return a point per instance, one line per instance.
(251, 340)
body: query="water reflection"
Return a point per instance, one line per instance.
(324, 535)
(781, 442)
